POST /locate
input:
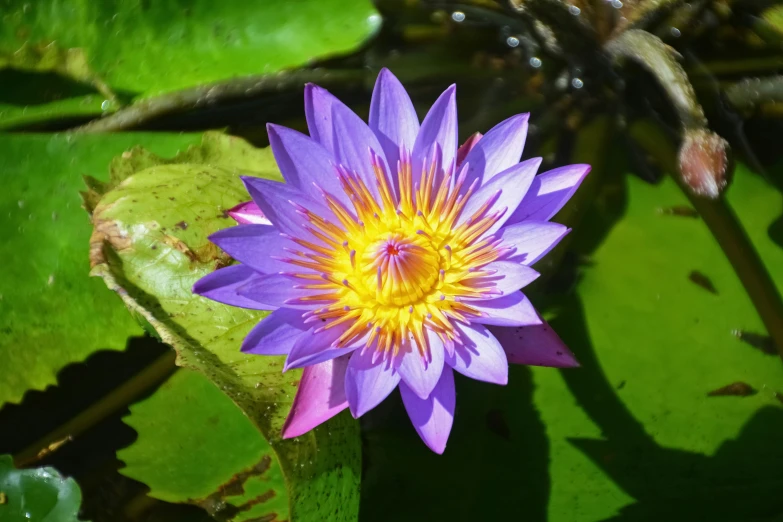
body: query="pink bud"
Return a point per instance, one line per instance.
(248, 213)
(704, 163)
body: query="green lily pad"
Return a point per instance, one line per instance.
(153, 47)
(39, 494)
(51, 313)
(150, 245)
(196, 446)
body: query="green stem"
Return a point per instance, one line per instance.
(727, 231)
(202, 95)
(120, 397)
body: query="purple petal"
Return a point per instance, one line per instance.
(499, 149)
(255, 246)
(513, 309)
(305, 164)
(278, 202)
(438, 128)
(506, 189)
(248, 213)
(535, 345)
(509, 276)
(367, 383)
(320, 396)
(420, 374)
(317, 346)
(392, 117)
(434, 416)
(276, 333)
(222, 285)
(277, 291)
(480, 357)
(531, 240)
(466, 147)
(318, 112)
(549, 192)
(354, 141)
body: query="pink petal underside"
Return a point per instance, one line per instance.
(466, 147)
(535, 345)
(248, 213)
(432, 417)
(320, 396)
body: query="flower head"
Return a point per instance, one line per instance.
(394, 257)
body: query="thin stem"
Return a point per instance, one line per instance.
(120, 397)
(727, 231)
(202, 95)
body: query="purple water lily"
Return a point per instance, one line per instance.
(394, 257)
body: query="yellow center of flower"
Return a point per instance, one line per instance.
(392, 269)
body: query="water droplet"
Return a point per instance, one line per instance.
(50, 281)
(535, 62)
(512, 41)
(374, 20)
(105, 104)
(21, 203)
(574, 10)
(576, 83)
(675, 32)
(458, 16)
(617, 4)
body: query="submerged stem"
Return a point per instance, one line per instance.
(123, 395)
(728, 232)
(202, 95)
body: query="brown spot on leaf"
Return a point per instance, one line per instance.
(758, 341)
(703, 281)
(738, 389)
(106, 232)
(217, 504)
(182, 225)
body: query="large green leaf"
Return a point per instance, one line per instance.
(37, 494)
(196, 446)
(51, 312)
(150, 244)
(632, 434)
(147, 47)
